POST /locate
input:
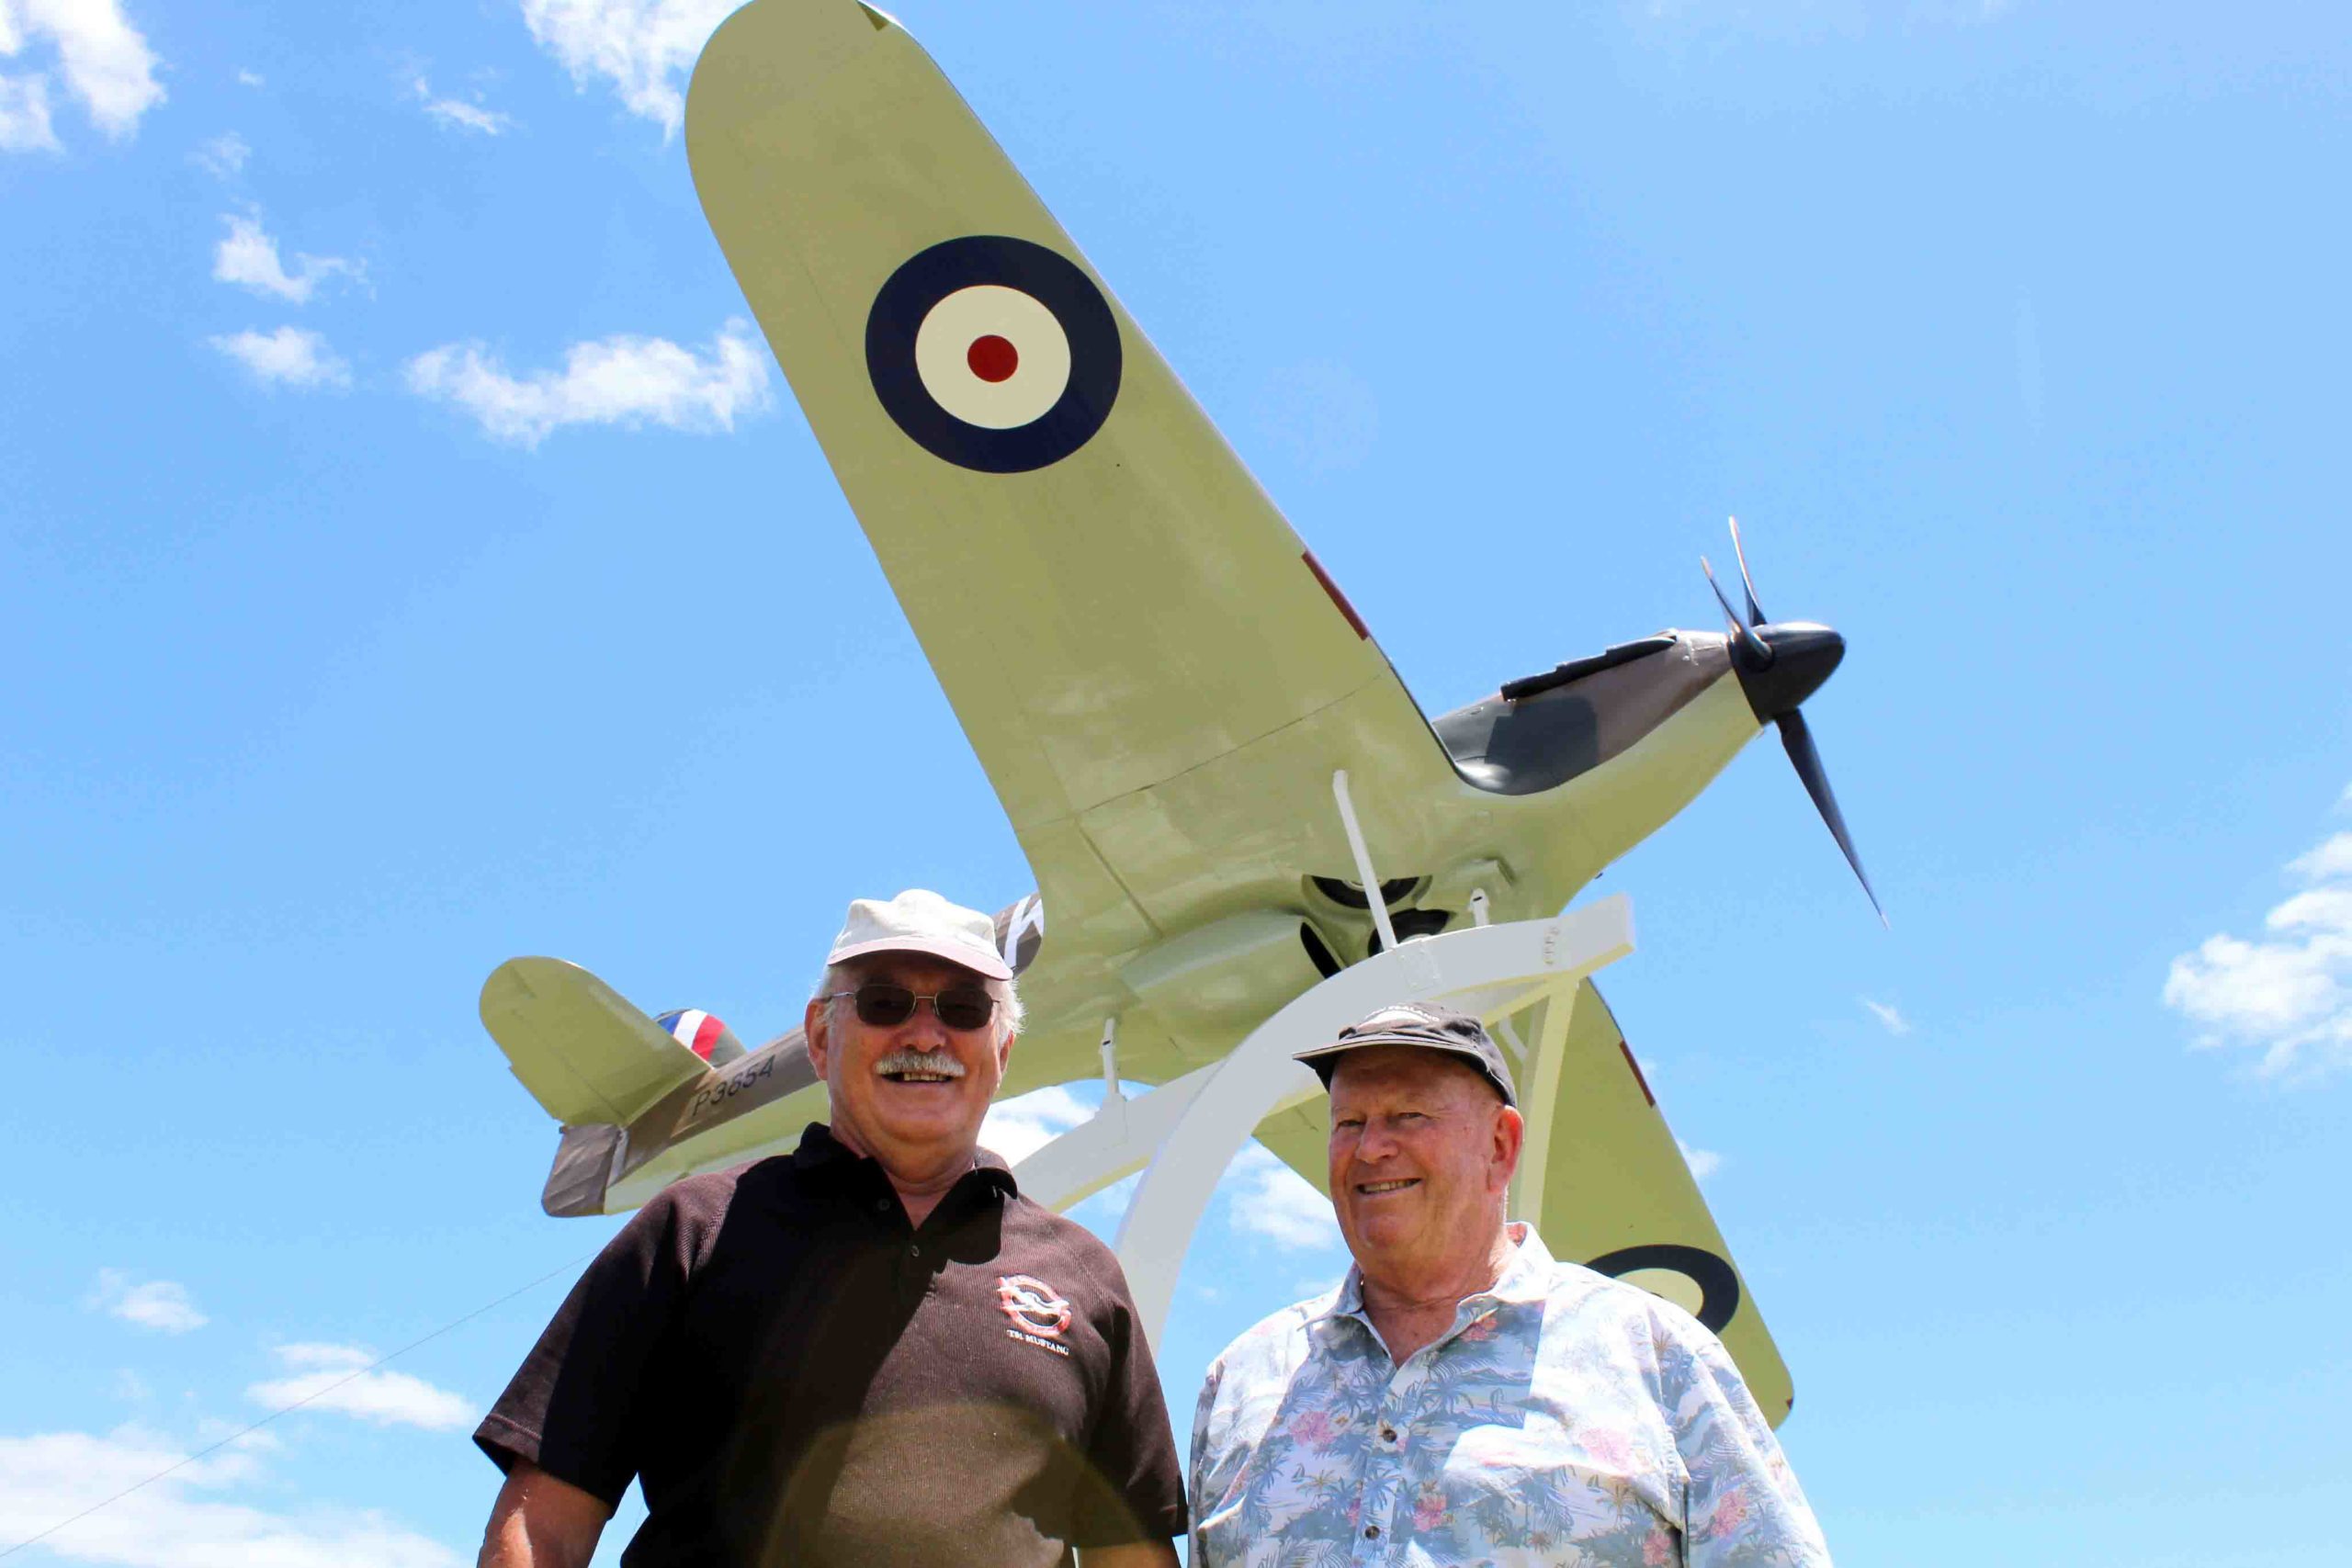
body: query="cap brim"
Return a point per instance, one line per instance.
(991, 966)
(1319, 1057)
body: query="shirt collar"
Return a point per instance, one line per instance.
(1525, 1277)
(820, 1151)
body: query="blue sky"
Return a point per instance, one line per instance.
(408, 559)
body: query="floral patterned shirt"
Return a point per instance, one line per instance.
(1563, 1418)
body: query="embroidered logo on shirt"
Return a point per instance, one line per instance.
(1038, 1314)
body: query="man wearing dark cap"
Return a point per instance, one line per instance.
(1461, 1398)
(870, 1351)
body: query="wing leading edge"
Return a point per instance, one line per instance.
(1109, 599)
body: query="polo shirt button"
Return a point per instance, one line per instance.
(1389, 1434)
(1371, 1532)
(881, 1205)
(914, 1252)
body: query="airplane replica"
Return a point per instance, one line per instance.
(1246, 832)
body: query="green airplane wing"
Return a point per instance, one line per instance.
(1112, 603)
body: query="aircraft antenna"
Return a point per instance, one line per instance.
(1372, 897)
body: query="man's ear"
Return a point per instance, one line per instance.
(1004, 1052)
(1510, 1135)
(812, 1030)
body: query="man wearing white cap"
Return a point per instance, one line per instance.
(1462, 1398)
(872, 1350)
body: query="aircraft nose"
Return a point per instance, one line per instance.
(1802, 656)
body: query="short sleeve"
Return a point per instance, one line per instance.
(573, 1408)
(1132, 1449)
(1200, 1498)
(1744, 1508)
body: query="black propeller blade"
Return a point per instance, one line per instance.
(1756, 615)
(1774, 693)
(1797, 741)
(1760, 652)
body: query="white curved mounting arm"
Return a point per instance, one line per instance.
(1190, 1130)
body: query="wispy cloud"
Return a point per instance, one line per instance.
(163, 1305)
(1887, 1014)
(24, 112)
(457, 112)
(625, 380)
(335, 1377)
(224, 156)
(249, 78)
(1019, 1127)
(643, 48)
(2288, 994)
(247, 256)
(183, 1517)
(105, 61)
(1264, 1197)
(291, 357)
(1703, 1163)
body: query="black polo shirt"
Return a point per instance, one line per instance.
(796, 1376)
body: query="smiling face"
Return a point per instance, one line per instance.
(910, 1095)
(1422, 1150)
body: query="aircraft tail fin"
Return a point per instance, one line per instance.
(586, 1055)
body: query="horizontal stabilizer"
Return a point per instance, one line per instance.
(583, 1051)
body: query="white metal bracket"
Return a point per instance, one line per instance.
(1183, 1133)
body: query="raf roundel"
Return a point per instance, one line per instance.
(1698, 1282)
(994, 353)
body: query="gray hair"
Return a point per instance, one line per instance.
(844, 977)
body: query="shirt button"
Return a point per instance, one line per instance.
(914, 1252)
(1389, 1434)
(1371, 1532)
(881, 1205)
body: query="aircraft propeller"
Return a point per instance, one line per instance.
(1779, 664)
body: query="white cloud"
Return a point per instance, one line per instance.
(335, 1377)
(1887, 1014)
(1267, 1198)
(458, 112)
(293, 356)
(180, 1520)
(643, 48)
(104, 61)
(1703, 1163)
(1019, 1127)
(163, 1305)
(622, 379)
(249, 78)
(248, 256)
(224, 156)
(24, 113)
(2329, 861)
(2288, 995)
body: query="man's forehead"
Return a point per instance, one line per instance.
(1413, 1070)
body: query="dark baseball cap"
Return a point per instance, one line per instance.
(1429, 1027)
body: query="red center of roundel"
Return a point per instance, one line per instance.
(992, 358)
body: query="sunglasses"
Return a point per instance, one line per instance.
(882, 1005)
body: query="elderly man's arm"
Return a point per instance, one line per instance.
(541, 1522)
(1744, 1507)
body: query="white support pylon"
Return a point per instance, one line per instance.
(1184, 1134)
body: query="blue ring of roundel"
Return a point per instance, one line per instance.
(1054, 281)
(1718, 1284)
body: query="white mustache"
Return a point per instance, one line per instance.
(940, 1062)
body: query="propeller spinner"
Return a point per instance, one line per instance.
(1780, 665)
